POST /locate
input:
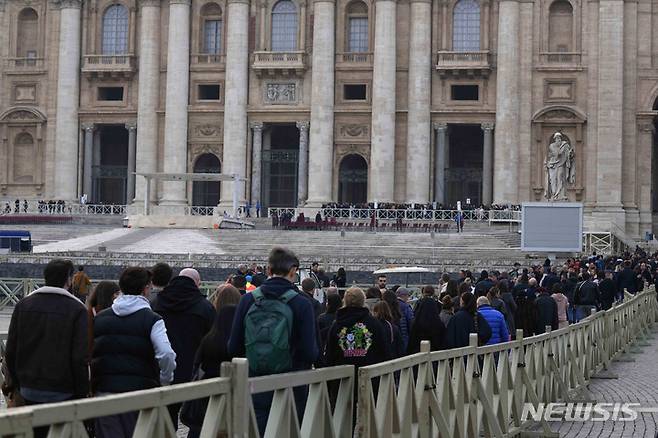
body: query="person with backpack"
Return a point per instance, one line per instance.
(275, 329)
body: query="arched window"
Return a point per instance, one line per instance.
(27, 40)
(115, 30)
(560, 27)
(24, 158)
(357, 27)
(284, 27)
(466, 26)
(211, 41)
(353, 180)
(206, 193)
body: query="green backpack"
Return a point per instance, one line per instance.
(268, 326)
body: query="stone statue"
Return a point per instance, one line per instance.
(560, 168)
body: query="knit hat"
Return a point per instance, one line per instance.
(402, 291)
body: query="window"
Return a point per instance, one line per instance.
(115, 30)
(464, 92)
(357, 27)
(208, 92)
(28, 33)
(560, 27)
(111, 94)
(355, 92)
(211, 38)
(284, 27)
(466, 26)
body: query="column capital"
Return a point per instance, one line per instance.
(246, 2)
(88, 127)
(180, 2)
(149, 3)
(131, 126)
(303, 125)
(438, 126)
(256, 126)
(488, 126)
(68, 4)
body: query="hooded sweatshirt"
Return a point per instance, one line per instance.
(119, 361)
(303, 338)
(188, 316)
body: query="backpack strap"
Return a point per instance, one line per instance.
(289, 295)
(257, 294)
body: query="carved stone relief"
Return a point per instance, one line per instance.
(281, 93)
(197, 149)
(559, 91)
(208, 130)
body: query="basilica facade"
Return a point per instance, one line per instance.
(316, 101)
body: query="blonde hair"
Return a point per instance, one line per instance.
(354, 297)
(483, 301)
(226, 295)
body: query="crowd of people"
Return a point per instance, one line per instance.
(417, 206)
(68, 341)
(43, 206)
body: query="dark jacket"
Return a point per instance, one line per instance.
(303, 340)
(47, 345)
(497, 323)
(213, 349)
(426, 326)
(546, 313)
(406, 318)
(461, 325)
(626, 280)
(188, 316)
(357, 338)
(607, 291)
(483, 286)
(586, 294)
(324, 323)
(511, 306)
(525, 317)
(550, 280)
(393, 339)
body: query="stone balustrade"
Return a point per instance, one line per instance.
(100, 65)
(449, 62)
(269, 62)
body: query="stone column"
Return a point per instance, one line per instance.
(507, 105)
(321, 147)
(178, 78)
(382, 155)
(148, 93)
(440, 163)
(68, 96)
(88, 159)
(644, 175)
(302, 164)
(418, 118)
(130, 182)
(487, 164)
(610, 105)
(256, 161)
(235, 100)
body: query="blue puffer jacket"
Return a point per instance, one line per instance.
(405, 322)
(496, 321)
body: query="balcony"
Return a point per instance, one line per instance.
(284, 63)
(24, 65)
(109, 66)
(470, 64)
(560, 60)
(354, 60)
(207, 61)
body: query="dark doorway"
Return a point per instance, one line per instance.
(353, 180)
(206, 193)
(280, 167)
(464, 173)
(110, 175)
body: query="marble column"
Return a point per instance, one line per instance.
(68, 96)
(130, 182)
(418, 117)
(321, 147)
(440, 163)
(302, 164)
(645, 174)
(148, 94)
(88, 158)
(505, 189)
(235, 99)
(382, 155)
(256, 161)
(487, 164)
(178, 79)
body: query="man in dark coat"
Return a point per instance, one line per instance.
(586, 297)
(608, 291)
(188, 317)
(626, 279)
(483, 285)
(546, 312)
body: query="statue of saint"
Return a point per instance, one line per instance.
(560, 168)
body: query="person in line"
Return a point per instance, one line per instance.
(100, 299)
(393, 339)
(162, 274)
(340, 278)
(406, 315)
(465, 321)
(427, 325)
(373, 296)
(81, 284)
(132, 351)
(447, 311)
(607, 289)
(48, 329)
(327, 318)
(276, 309)
(586, 297)
(496, 321)
(212, 351)
(562, 303)
(188, 316)
(381, 282)
(308, 289)
(508, 298)
(484, 284)
(547, 311)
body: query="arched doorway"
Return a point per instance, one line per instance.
(280, 158)
(353, 180)
(206, 193)
(110, 167)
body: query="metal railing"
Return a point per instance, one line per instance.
(470, 390)
(33, 208)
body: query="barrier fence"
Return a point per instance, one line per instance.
(470, 391)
